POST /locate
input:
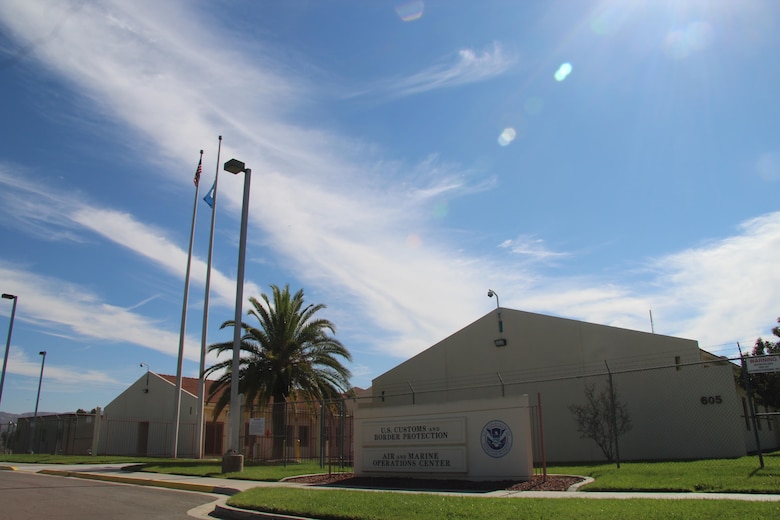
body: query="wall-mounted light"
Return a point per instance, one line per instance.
(500, 342)
(490, 294)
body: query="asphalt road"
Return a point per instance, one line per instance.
(31, 496)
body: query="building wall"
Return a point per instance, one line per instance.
(139, 421)
(556, 358)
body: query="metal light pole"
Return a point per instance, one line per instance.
(233, 460)
(8, 341)
(37, 400)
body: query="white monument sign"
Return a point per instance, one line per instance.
(476, 440)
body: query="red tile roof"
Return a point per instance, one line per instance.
(190, 385)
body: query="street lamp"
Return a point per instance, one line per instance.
(501, 342)
(233, 459)
(8, 341)
(37, 400)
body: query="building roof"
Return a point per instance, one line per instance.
(190, 385)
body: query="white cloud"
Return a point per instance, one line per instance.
(725, 290)
(532, 249)
(348, 215)
(470, 66)
(67, 215)
(55, 305)
(62, 375)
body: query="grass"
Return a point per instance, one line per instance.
(349, 505)
(741, 475)
(35, 458)
(193, 467)
(260, 472)
(729, 475)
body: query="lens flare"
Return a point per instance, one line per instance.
(695, 37)
(413, 241)
(610, 19)
(440, 210)
(563, 71)
(507, 136)
(410, 11)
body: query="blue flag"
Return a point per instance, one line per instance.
(209, 198)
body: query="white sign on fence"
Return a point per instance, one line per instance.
(762, 364)
(257, 426)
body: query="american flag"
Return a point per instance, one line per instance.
(196, 180)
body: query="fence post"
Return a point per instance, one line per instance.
(96, 432)
(342, 441)
(323, 444)
(613, 416)
(541, 434)
(750, 406)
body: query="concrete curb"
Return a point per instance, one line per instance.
(7, 468)
(576, 487)
(184, 486)
(227, 512)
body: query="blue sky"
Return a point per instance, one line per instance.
(406, 157)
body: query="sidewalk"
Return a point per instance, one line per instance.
(228, 487)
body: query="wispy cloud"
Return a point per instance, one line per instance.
(531, 249)
(467, 66)
(724, 290)
(62, 375)
(68, 215)
(61, 307)
(348, 212)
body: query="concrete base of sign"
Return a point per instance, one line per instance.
(232, 463)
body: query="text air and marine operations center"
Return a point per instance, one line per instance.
(479, 389)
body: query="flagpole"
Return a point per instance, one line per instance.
(182, 331)
(201, 377)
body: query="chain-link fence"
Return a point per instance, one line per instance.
(683, 411)
(301, 431)
(66, 434)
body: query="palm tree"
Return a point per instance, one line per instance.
(290, 351)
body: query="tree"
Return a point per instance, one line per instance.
(291, 353)
(595, 419)
(766, 387)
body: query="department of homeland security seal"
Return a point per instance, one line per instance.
(496, 438)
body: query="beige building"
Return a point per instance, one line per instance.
(139, 421)
(682, 402)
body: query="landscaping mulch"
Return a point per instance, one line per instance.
(537, 483)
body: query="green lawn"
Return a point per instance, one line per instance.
(35, 458)
(729, 475)
(260, 472)
(363, 505)
(741, 475)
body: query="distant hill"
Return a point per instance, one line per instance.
(6, 417)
